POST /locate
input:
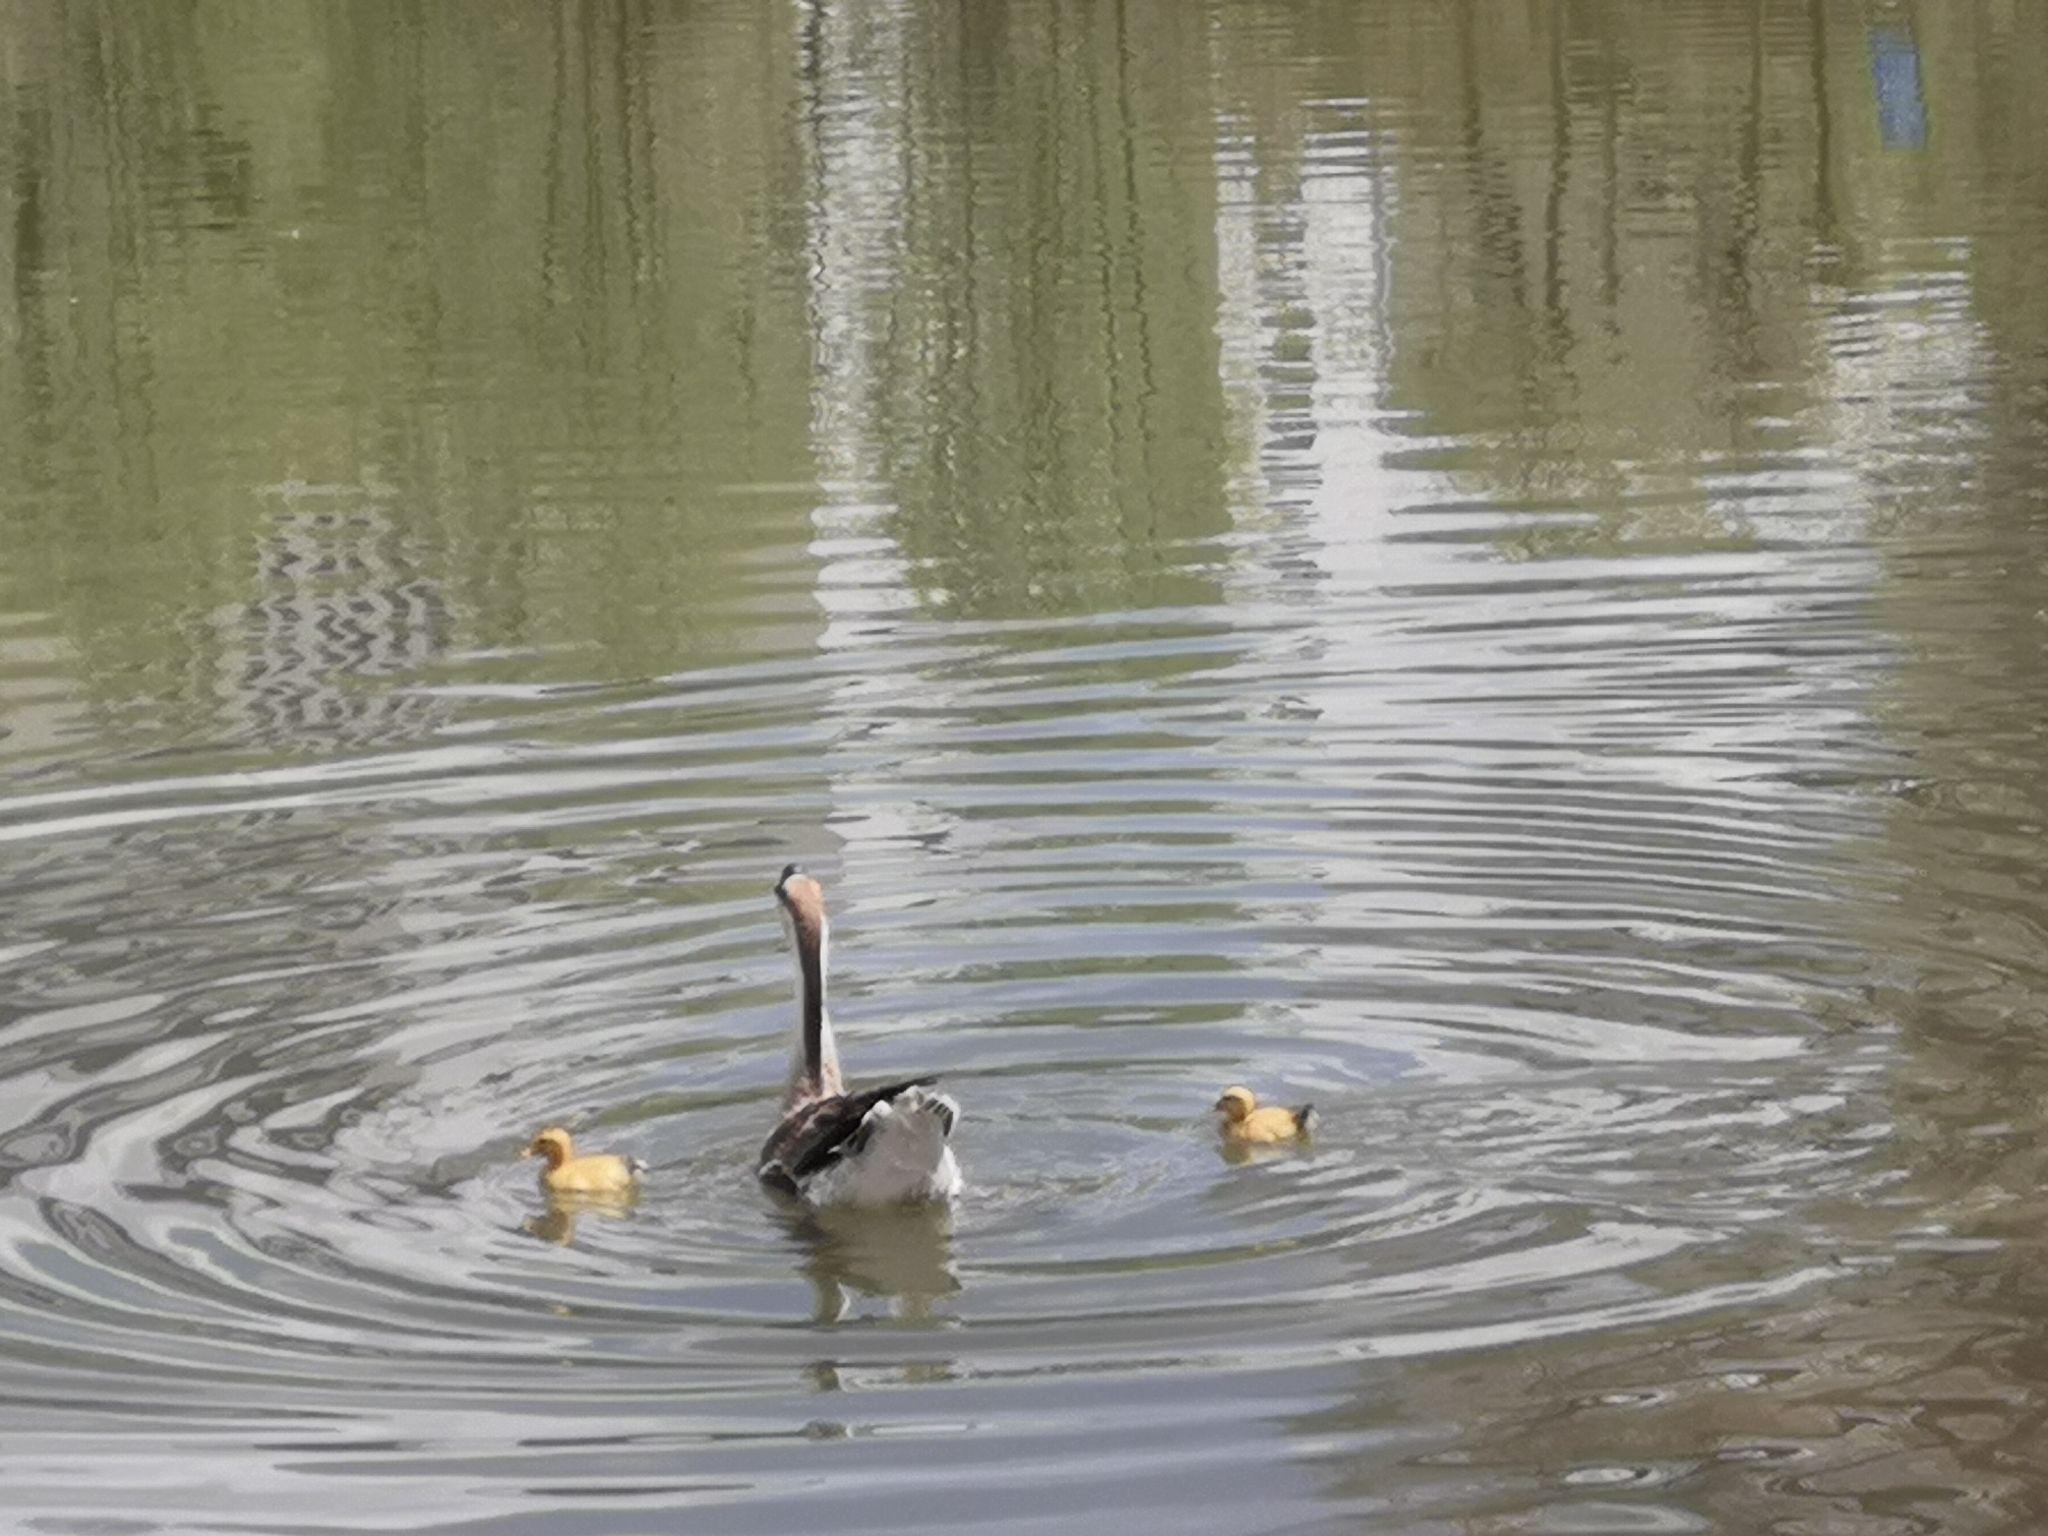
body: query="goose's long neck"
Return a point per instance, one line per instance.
(813, 1056)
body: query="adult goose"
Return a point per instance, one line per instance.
(880, 1146)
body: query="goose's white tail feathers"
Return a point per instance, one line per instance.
(901, 1153)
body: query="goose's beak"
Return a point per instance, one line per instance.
(525, 1152)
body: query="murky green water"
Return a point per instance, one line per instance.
(1483, 564)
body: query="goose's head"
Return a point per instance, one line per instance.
(553, 1144)
(802, 900)
(1236, 1104)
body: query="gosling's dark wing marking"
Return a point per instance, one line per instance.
(816, 1134)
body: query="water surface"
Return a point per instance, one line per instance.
(1478, 564)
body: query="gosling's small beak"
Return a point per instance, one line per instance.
(1222, 1103)
(527, 1151)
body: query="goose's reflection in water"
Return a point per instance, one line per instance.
(902, 1255)
(557, 1224)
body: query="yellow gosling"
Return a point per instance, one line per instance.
(595, 1173)
(1246, 1124)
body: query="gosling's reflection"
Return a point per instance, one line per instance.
(901, 1254)
(1239, 1153)
(557, 1224)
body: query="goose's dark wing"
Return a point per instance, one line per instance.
(815, 1134)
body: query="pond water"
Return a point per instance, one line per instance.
(1482, 565)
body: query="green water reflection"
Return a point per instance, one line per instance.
(562, 322)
